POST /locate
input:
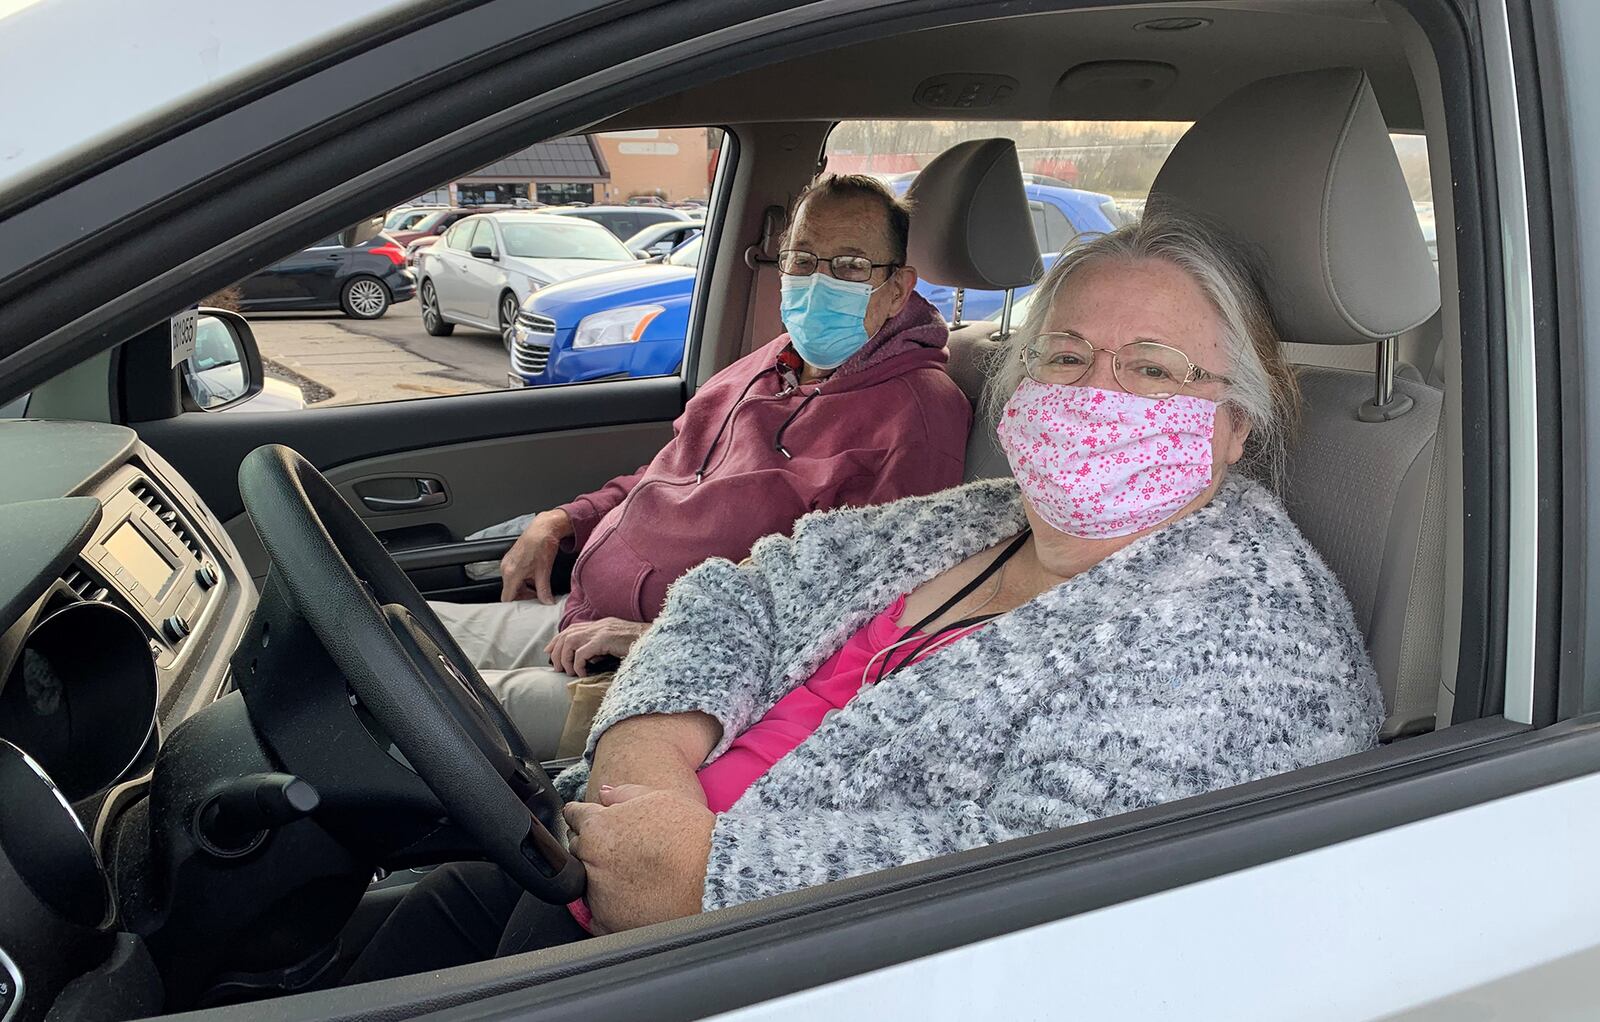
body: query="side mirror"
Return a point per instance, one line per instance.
(482, 252)
(360, 234)
(225, 367)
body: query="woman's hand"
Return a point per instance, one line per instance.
(645, 850)
(571, 650)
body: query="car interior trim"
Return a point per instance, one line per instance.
(1479, 672)
(207, 450)
(1561, 567)
(716, 218)
(1521, 366)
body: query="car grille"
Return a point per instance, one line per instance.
(537, 324)
(530, 359)
(527, 356)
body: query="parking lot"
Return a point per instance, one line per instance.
(336, 360)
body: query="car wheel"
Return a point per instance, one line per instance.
(364, 298)
(432, 319)
(508, 318)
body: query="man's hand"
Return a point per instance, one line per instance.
(645, 851)
(571, 650)
(525, 569)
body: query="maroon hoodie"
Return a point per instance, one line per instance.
(750, 455)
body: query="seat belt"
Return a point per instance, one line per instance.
(763, 261)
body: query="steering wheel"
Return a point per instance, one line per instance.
(406, 670)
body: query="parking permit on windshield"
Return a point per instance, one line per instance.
(184, 326)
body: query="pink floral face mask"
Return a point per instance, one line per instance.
(1104, 463)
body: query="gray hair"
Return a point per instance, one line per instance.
(1262, 387)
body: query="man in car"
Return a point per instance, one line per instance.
(850, 407)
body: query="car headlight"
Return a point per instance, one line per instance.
(524, 284)
(615, 326)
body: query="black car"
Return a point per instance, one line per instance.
(362, 281)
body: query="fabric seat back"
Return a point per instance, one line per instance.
(971, 228)
(1323, 203)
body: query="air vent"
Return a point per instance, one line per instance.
(168, 514)
(83, 586)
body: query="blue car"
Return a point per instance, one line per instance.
(629, 321)
(632, 321)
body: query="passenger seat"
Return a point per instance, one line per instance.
(971, 228)
(1300, 167)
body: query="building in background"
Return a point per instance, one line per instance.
(670, 164)
(665, 163)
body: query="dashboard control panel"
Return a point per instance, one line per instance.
(151, 555)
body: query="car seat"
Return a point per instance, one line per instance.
(971, 228)
(1300, 167)
(1323, 203)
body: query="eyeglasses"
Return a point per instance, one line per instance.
(798, 263)
(1143, 368)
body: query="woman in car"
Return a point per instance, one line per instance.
(1132, 619)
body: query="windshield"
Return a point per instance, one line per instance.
(401, 219)
(688, 253)
(430, 221)
(557, 239)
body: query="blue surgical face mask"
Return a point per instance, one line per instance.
(826, 318)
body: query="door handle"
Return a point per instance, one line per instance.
(335, 255)
(430, 493)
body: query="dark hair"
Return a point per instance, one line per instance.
(896, 211)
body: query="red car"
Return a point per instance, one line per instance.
(438, 222)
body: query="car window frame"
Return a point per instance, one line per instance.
(1071, 229)
(445, 237)
(1041, 228)
(485, 225)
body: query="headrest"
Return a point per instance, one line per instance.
(1301, 169)
(970, 225)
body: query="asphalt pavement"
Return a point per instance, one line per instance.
(386, 359)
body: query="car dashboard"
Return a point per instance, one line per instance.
(123, 600)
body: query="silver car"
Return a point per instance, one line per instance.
(483, 268)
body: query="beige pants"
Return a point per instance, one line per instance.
(506, 641)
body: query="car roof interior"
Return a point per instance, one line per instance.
(1128, 63)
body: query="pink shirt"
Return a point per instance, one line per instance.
(796, 716)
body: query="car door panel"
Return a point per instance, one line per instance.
(207, 449)
(448, 282)
(485, 482)
(481, 277)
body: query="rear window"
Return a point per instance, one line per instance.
(1102, 169)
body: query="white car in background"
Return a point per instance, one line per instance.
(658, 240)
(483, 268)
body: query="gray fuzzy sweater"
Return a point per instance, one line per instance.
(1217, 650)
